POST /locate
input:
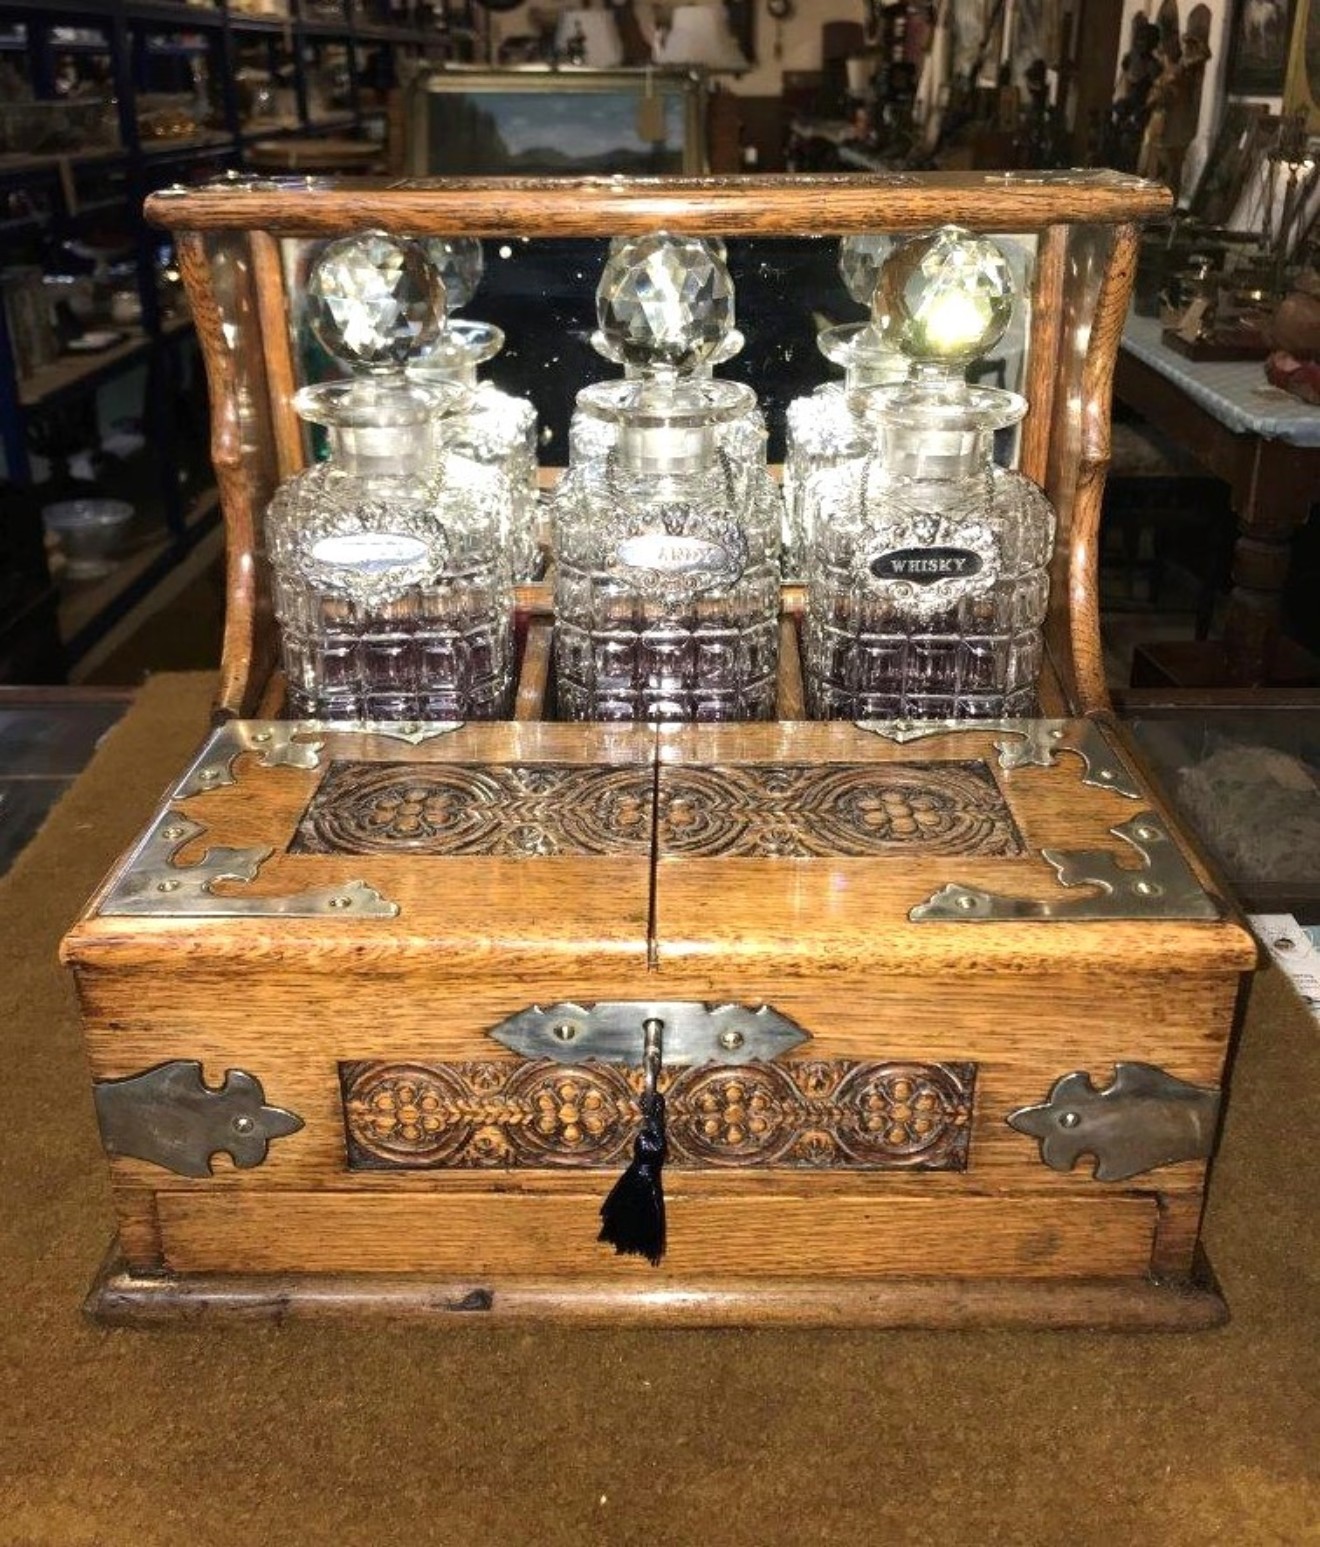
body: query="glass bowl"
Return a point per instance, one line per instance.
(90, 532)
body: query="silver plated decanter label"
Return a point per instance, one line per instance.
(674, 555)
(926, 566)
(370, 553)
(927, 562)
(686, 552)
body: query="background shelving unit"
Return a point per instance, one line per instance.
(331, 63)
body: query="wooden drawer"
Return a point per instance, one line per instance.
(778, 1231)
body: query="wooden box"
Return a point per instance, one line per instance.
(943, 1011)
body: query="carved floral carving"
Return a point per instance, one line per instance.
(793, 810)
(799, 810)
(812, 1113)
(497, 809)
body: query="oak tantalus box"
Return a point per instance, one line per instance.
(940, 1013)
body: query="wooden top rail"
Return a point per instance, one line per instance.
(814, 205)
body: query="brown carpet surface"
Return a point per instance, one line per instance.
(316, 1433)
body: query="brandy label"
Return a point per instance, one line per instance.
(370, 553)
(926, 566)
(673, 555)
(687, 554)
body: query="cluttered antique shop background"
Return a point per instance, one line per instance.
(112, 603)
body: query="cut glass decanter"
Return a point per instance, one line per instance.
(666, 540)
(648, 284)
(822, 429)
(497, 429)
(928, 566)
(391, 587)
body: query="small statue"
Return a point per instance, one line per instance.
(1039, 142)
(1139, 70)
(1175, 101)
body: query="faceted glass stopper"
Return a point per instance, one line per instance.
(665, 302)
(716, 244)
(945, 298)
(372, 299)
(459, 263)
(860, 260)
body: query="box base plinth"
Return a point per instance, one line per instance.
(121, 1297)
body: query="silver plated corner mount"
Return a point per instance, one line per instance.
(153, 885)
(1163, 886)
(290, 744)
(1033, 744)
(279, 744)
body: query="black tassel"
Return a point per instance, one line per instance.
(633, 1216)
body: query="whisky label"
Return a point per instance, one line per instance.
(370, 553)
(670, 555)
(926, 566)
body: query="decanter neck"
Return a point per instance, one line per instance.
(702, 371)
(459, 373)
(877, 371)
(379, 450)
(941, 456)
(935, 426)
(381, 424)
(657, 450)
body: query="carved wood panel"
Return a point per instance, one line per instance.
(799, 810)
(494, 809)
(810, 1113)
(781, 810)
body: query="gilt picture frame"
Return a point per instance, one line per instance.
(1301, 93)
(1258, 40)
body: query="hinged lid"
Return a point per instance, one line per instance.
(598, 855)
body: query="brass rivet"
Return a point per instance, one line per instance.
(261, 736)
(167, 886)
(340, 902)
(1056, 735)
(171, 833)
(565, 1031)
(731, 1040)
(966, 903)
(243, 1125)
(1146, 833)
(1148, 889)
(1108, 775)
(208, 774)
(1069, 1119)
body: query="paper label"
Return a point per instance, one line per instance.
(1293, 948)
(1193, 320)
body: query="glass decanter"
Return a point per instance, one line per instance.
(666, 545)
(391, 586)
(497, 430)
(928, 568)
(822, 429)
(662, 266)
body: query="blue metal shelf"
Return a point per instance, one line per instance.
(136, 33)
